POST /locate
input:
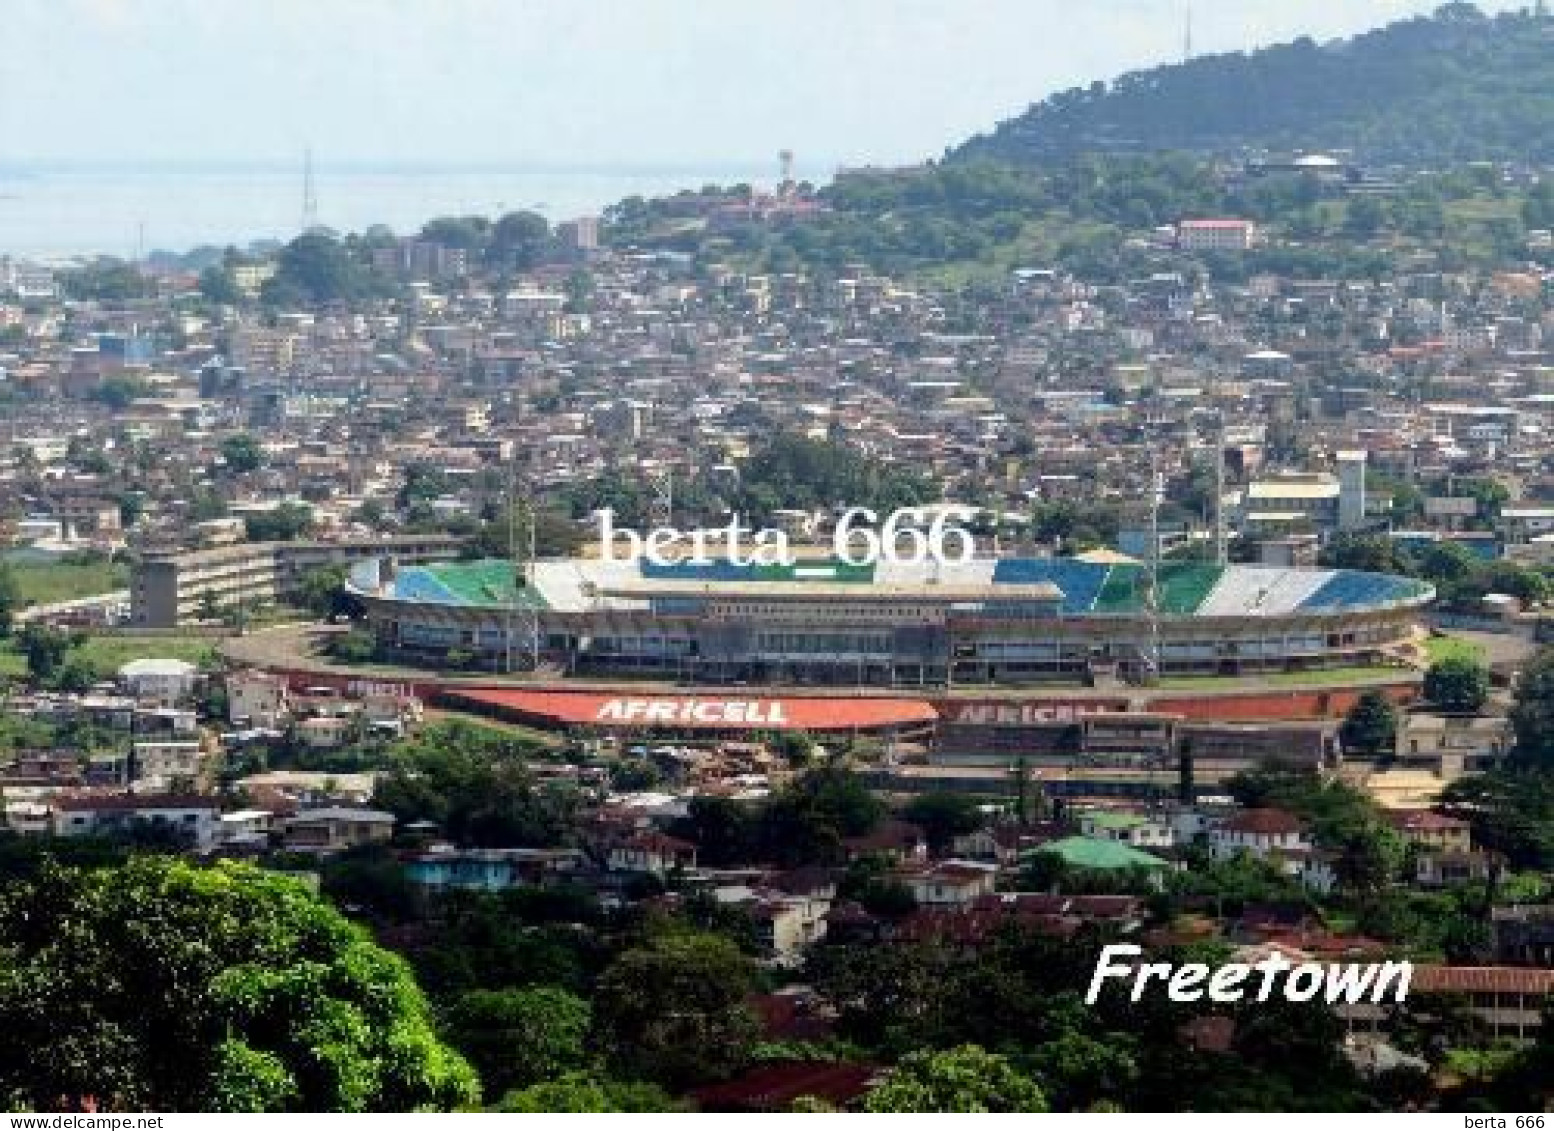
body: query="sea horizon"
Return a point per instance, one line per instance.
(58, 208)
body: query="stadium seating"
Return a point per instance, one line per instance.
(1351, 589)
(421, 586)
(1183, 586)
(1080, 582)
(1122, 592)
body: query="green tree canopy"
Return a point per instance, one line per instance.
(1371, 726)
(964, 1079)
(10, 598)
(161, 985)
(1457, 684)
(584, 1093)
(520, 1037)
(672, 1010)
(242, 453)
(473, 784)
(1532, 712)
(943, 817)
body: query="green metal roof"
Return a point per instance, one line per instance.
(1101, 855)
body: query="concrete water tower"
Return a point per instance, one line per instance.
(1351, 490)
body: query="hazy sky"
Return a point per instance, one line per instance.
(564, 83)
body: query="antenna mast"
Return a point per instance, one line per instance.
(309, 192)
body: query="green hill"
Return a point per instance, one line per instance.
(1458, 86)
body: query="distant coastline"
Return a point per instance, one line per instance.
(52, 209)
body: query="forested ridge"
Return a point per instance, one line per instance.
(1455, 86)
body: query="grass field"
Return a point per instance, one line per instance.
(515, 730)
(1439, 648)
(109, 653)
(41, 584)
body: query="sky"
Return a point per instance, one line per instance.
(569, 84)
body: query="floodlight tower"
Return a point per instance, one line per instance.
(661, 509)
(522, 616)
(1221, 543)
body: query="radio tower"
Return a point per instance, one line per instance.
(1187, 36)
(309, 193)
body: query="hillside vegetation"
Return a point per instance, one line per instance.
(1453, 87)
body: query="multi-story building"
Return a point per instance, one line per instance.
(1216, 235)
(168, 590)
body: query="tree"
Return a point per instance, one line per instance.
(1457, 685)
(807, 820)
(943, 817)
(473, 784)
(45, 649)
(964, 1079)
(10, 598)
(242, 454)
(314, 268)
(519, 240)
(1532, 712)
(555, 535)
(217, 286)
(520, 1037)
(584, 1093)
(354, 647)
(1371, 726)
(118, 391)
(1511, 811)
(321, 590)
(283, 524)
(672, 1010)
(185, 988)
(1364, 552)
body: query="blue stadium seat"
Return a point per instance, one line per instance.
(1080, 581)
(420, 585)
(1351, 589)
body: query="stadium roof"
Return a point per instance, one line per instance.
(1072, 586)
(702, 712)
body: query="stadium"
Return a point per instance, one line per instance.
(992, 622)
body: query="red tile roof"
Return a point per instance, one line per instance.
(1271, 822)
(1423, 820)
(1482, 979)
(776, 1086)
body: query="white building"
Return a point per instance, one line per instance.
(161, 681)
(193, 819)
(159, 764)
(1259, 832)
(1216, 235)
(257, 699)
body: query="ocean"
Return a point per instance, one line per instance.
(66, 211)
